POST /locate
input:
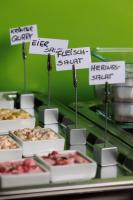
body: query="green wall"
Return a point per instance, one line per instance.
(99, 23)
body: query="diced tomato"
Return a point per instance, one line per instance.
(29, 162)
(50, 161)
(20, 169)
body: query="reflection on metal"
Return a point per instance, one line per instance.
(105, 156)
(123, 181)
(48, 115)
(54, 127)
(70, 188)
(107, 172)
(81, 148)
(100, 49)
(76, 136)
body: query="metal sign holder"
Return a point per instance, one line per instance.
(75, 134)
(26, 99)
(48, 114)
(106, 154)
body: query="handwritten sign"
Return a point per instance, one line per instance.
(111, 72)
(45, 46)
(22, 34)
(80, 57)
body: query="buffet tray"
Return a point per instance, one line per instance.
(71, 172)
(11, 154)
(25, 179)
(6, 125)
(39, 146)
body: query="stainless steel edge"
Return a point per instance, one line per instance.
(67, 189)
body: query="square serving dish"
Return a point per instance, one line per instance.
(10, 154)
(25, 179)
(70, 172)
(39, 146)
(12, 124)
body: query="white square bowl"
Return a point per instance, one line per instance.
(71, 172)
(6, 125)
(25, 179)
(39, 146)
(11, 154)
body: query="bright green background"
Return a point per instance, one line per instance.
(99, 23)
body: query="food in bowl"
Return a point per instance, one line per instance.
(55, 158)
(19, 167)
(10, 114)
(33, 134)
(6, 142)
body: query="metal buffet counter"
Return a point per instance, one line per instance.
(113, 182)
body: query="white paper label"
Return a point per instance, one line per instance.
(80, 57)
(45, 46)
(111, 72)
(22, 34)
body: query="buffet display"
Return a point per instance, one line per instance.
(43, 161)
(123, 101)
(25, 172)
(68, 166)
(36, 156)
(38, 140)
(47, 160)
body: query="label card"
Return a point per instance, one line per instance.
(22, 34)
(80, 57)
(45, 46)
(111, 72)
